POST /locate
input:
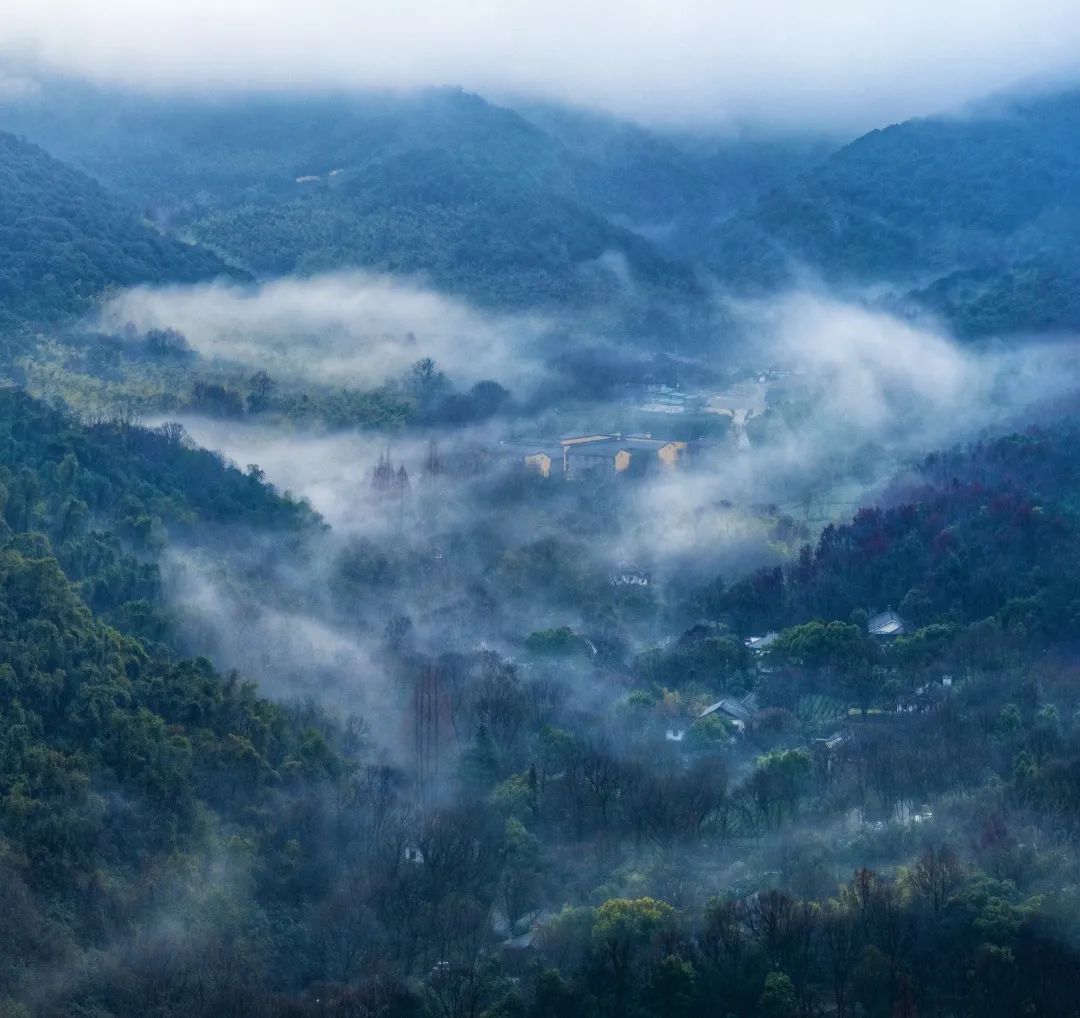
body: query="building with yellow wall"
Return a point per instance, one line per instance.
(619, 453)
(539, 458)
(581, 455)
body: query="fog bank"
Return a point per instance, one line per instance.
(830, 63)
(344, 328)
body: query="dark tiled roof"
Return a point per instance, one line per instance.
(733, 708)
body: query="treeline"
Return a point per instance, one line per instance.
(439, 184)
(175, 844)
(158, 372)
(423, 396)
(935, 939)
(136, 796)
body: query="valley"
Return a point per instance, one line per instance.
(472, 555)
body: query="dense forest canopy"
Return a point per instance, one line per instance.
(64, 239)
(978, 213)
(286, 855)
(970, 218)
(470, 195)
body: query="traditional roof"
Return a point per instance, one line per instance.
(523, 447)
(887, 623)
(743, 710)
(761, 642)
(611, 446)
(647, 443)
(604, 447)
(833, 741)
(576, 438)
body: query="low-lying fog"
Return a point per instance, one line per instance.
(854, 395)
(342, 328)
(854, 383)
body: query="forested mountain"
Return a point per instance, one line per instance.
(441, 183)
(106, 496)
(674, 187)
(979, 214)
(120, 767)
(64, 239)
(972, 217)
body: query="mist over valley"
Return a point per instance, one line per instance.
(558, 522)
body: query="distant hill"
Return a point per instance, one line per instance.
(441, 184)
(974, 219)
(675, 187)
(1037, 295)
(479, 202)
(977, 216)
(64, 239)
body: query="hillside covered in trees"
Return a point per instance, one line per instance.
(175, 843)
(970, 217)
(471, 196)
(64, 239)
(976, 213)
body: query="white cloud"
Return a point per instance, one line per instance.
(343, 328)
(872, 394)
(851, 63)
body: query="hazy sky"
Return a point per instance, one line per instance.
(848, 63)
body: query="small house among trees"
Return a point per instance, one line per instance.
(887, 624)
(741, 711)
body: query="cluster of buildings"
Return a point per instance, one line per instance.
(883, 626)
(663, 399)
(743, 711)
(575, 456)
(745, 398)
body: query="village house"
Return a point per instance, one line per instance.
(760, 644)
(825, 749)
(666, 399)
(925, 697)
(580, 455)
(739, 711)
(571, 439)
(665, 405)
(585, 457)
(672, 402)
(626, 574)
(887, 624)
(519, 951)
(618, 453)
(544, 456)
(539, 457)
